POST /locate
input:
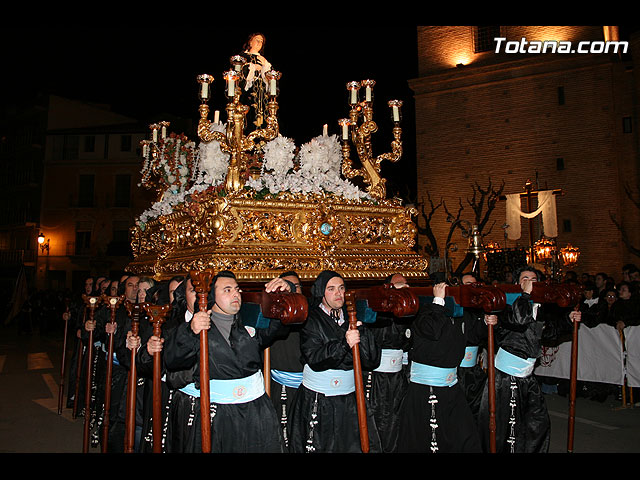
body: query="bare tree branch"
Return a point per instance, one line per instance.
(625, 238)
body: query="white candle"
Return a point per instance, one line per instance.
(325, 130)
(273, 87)
(354, 96)
(205, 90)
(164, 132)
(396, 114)
(155, 135)
(345, 131)
(367, 94)
(216, 116)
(232, 87)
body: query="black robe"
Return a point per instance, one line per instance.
(473, 378)
(439, 341)
(120, 381)
(251, 427)
(285, 357)
(386, 390)
(323, 346)
(522, 334)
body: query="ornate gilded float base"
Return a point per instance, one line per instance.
(259, 238)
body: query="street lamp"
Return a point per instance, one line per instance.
(43, 245)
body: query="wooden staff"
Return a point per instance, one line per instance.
(78, 368)
(201, 282)
(157, 315)
(357, 372)
(267, 370)
(92, 303)
(113, 303)
(134, 310)
(64, 354)
(491, 386)
(573, 384)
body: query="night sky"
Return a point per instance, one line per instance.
(150, 73)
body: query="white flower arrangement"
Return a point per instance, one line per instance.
(212, 163)
(317, 172)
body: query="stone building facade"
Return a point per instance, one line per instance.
(564, 121)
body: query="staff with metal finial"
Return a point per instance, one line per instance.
(157, 315)
(134, 310)
(357, 372)
(201, 281)
(79, 359)
(113, 303)
(91, 302)
(65, 317)
(575, 316)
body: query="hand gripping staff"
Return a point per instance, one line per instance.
(357, 372)
(201, 281)
(91, 302)
(133, 310)
(113, 303)
(157, 315)
(573, 384)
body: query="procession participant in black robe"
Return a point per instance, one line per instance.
(471, 376)
(286, 368)
(521, 416)
(386, 386)
(324, 415)
(146, 345)
(242, 416)
(121, 362)
(435, 415)
(97, 372)
(175, 294)
(75, 317)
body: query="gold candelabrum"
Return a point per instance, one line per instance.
(168, 160)
(359, 127)
(235, 141)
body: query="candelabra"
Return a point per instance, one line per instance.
(235, 141)
(168, 160)
(360, 126)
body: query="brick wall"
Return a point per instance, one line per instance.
(553, 119)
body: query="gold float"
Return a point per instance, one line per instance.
(253, 203)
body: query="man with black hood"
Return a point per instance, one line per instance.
(243, 419)
(521, 416)
(324, 415)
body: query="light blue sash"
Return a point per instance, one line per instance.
(237, 390)
(288, 379)
(434, 376)
(513, 365)
(470, 357)
(329, 382)
(391, 361)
